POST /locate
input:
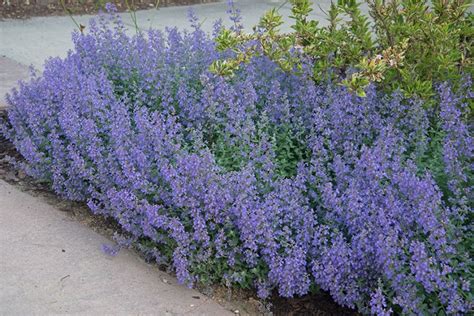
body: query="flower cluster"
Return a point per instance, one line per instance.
(264, 180)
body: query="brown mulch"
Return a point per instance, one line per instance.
(7, 150)
(317, 304)
(19, 10)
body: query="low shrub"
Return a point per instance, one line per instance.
(264, 180)
(406, 45)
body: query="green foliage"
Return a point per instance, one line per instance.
(287, 144)
(439, 41)
(230, 153)
(290, 149)
(407, 45)
(432, 160)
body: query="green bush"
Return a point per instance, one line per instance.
(406, 45)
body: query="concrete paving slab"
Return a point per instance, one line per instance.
(51, 264)
(10, 73)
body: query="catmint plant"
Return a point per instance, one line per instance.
(264, 180)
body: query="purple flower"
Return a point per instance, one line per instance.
(262, 180)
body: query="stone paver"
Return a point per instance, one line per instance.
(51, 264)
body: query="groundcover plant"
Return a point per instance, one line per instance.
(262, 180)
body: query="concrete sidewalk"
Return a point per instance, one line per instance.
(51, 264)
(10, 72)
